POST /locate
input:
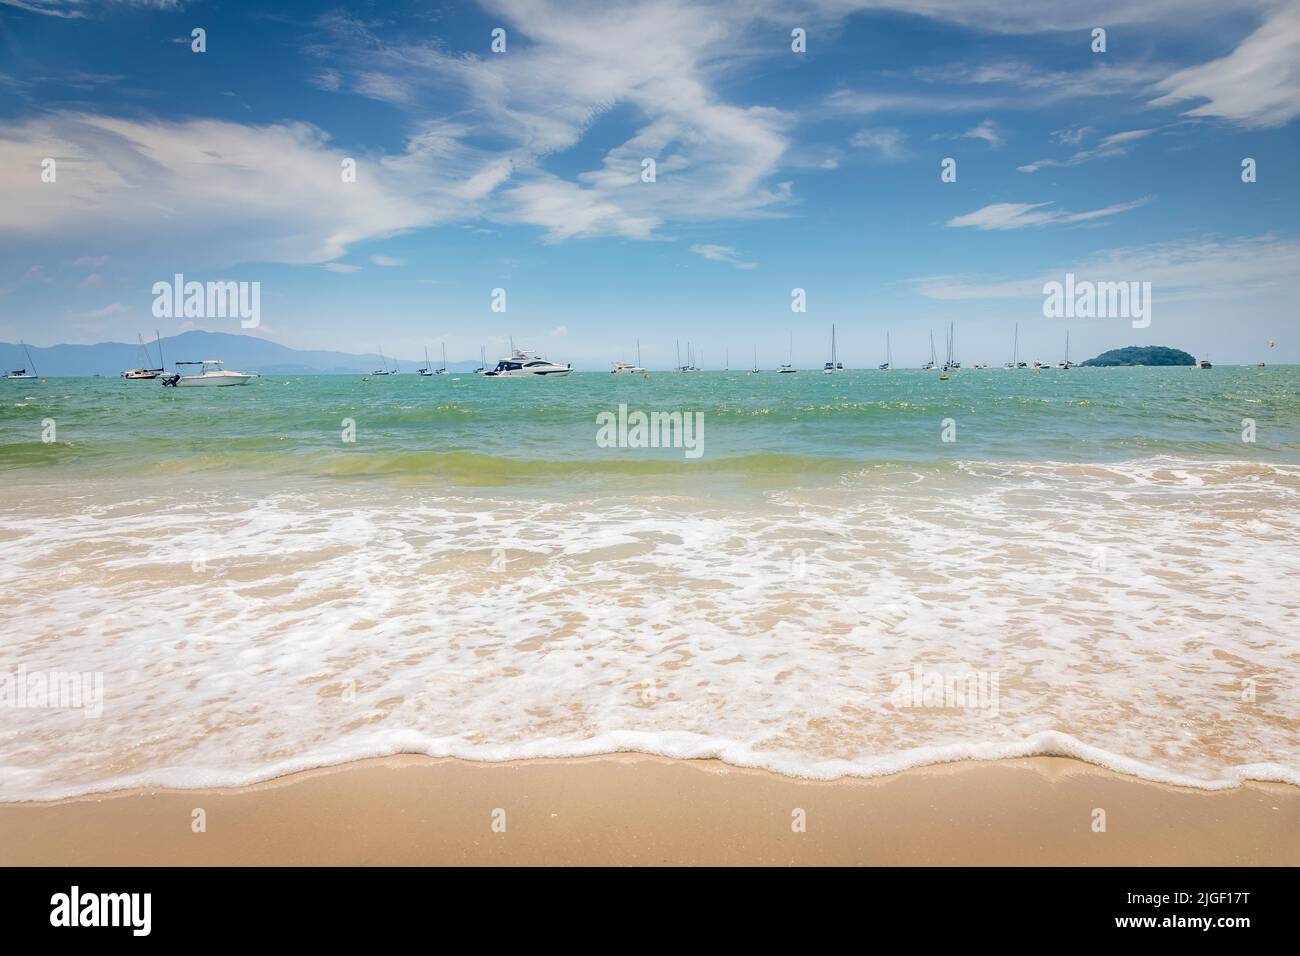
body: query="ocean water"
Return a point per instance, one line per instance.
(1096, 564)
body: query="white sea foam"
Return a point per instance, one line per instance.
(1141, 616)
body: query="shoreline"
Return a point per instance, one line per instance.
(629, 809)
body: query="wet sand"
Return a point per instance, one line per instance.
(631, 809)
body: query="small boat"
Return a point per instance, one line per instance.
(932, 364)
(212, 374)
(1067, 364)
(1015, 352)
(834, 365)
(754, 370)
(620, 368)
(143, 372)
(788, 368)
(525, 364)
(889, 355)
(1204, 363)
(951, 362)
(690, 358)
(21, 373)
(482, 357)
(385, 370)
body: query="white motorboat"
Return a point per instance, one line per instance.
(620, 368)
(525, 364)
(212, 374)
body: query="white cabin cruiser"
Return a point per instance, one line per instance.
(525, 364)
(212, 374)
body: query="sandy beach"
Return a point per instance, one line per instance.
(631, 809)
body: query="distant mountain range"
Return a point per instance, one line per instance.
(246, 353)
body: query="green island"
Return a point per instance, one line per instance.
(1142, 355)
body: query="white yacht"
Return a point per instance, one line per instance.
(788, 368)
(144, 372)
(1015, 362)
(951, 362)
(212, 374)
(525, 364)
(932, 364)
(834, 365)
(1067, 364)
(619, 368)
(385, 370)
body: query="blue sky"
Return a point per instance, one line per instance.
(775, 170)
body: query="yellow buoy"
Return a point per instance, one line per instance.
(943, 378)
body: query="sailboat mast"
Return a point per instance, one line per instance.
(638, 353)
(161, 364)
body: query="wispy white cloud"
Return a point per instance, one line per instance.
(725, 254)
(1116, 144)
(567, 66)
(886, 143)
(1256, 85)
(221, 189)
(987, 131)
(387, 262)
(1203, 268)
(1012, 215)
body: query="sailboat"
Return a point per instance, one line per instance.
(1015, 352)
(726, 359)
(754, 370)
(1067, 363)
(951, 362)
(436, 371)
(144, 372)
(23, 372)
(628, 367)
(482, 357)
(930, 365)
(889, 355)
(426, 371)
(788, 367)
(833, 365)
(385, 370)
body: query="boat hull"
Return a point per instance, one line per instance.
(212, 381)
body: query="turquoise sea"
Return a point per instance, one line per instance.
(860, 572)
